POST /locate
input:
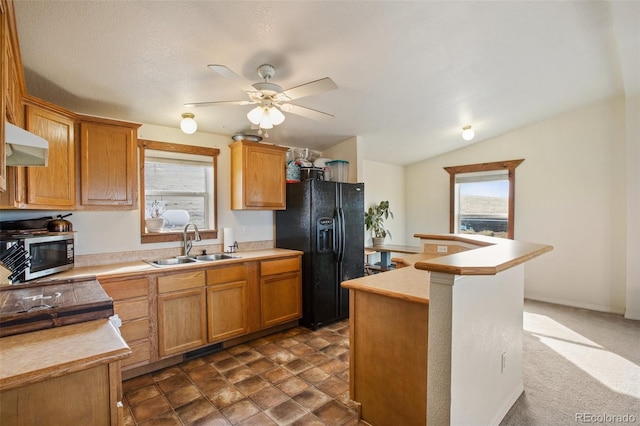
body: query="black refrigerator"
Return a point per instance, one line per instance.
(325, 220)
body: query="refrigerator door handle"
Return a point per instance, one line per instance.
(337, 236)
(343, 233)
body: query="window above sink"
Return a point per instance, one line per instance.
(177, 182)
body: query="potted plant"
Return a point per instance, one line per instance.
(155, 221)
(374, 219)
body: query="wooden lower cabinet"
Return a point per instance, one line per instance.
(167, 314)
(280, 291)
(182, 313)
(81, 397)
(227, 303)
(133, 304)
(388, 368)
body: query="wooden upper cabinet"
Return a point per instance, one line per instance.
(258, 176)
(52, 186)
(4, 66)
(14, 82)
(108, 164)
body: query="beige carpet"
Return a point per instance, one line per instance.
(579, 367)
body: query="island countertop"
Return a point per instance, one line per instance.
(33, 357)
(405, 283)
(489, 255)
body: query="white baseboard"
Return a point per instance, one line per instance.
(632, 315)
(507, 406)
(575, 304)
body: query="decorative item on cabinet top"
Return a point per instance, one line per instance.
(304, 164)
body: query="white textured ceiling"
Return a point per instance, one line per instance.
(410, 74)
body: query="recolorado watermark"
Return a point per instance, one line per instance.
(605, 418)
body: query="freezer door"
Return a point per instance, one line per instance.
(323, 269)
(351, 197)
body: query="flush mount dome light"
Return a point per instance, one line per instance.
(467, 133)
(188, 125)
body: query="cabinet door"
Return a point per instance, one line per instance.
(77, 398)
(52, 186)
(181, 321)
(4, 84)
(280, 298)
(227, 314)
(108, 173)
(258, 176)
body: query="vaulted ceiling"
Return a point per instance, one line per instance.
(410, 74)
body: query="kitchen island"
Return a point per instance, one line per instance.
(66, 375)
(440, 341)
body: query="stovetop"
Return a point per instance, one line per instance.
(23, 232)
(52, 303)
(13, 235)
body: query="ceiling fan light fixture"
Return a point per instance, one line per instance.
(266, 122)
(256, 114)
(276, 116)
(468, 133)
(188, 125)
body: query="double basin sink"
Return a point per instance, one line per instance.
(181, 260)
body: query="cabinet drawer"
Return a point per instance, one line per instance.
(184, 281)
(132, 309)
(135, 330)
(226, 274)
(126, 289)
(141, 352)
(271, 267)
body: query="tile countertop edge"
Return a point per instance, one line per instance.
(493, 254)
(40, 355)
(140, 267)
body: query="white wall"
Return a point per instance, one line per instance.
(633, 207)
(473, 321)
(386, 182)
(570, 193)
(346, 150)
(119, 231)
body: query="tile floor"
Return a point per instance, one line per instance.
(295, 377)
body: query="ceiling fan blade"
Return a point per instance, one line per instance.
(227, 73)
(200, 104)
(312, 88)
(306, 112)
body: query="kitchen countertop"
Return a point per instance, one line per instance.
(33, 357)
(405, 283)
(139, 267)
(491, 256)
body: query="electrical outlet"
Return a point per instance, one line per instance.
(245, 230)
(443, 249)
(503, 364)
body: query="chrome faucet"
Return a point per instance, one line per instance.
(188, 243)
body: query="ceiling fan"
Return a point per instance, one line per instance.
(271, 98)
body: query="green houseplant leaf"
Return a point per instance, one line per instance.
(374, 218)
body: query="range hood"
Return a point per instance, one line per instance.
(24, 148)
